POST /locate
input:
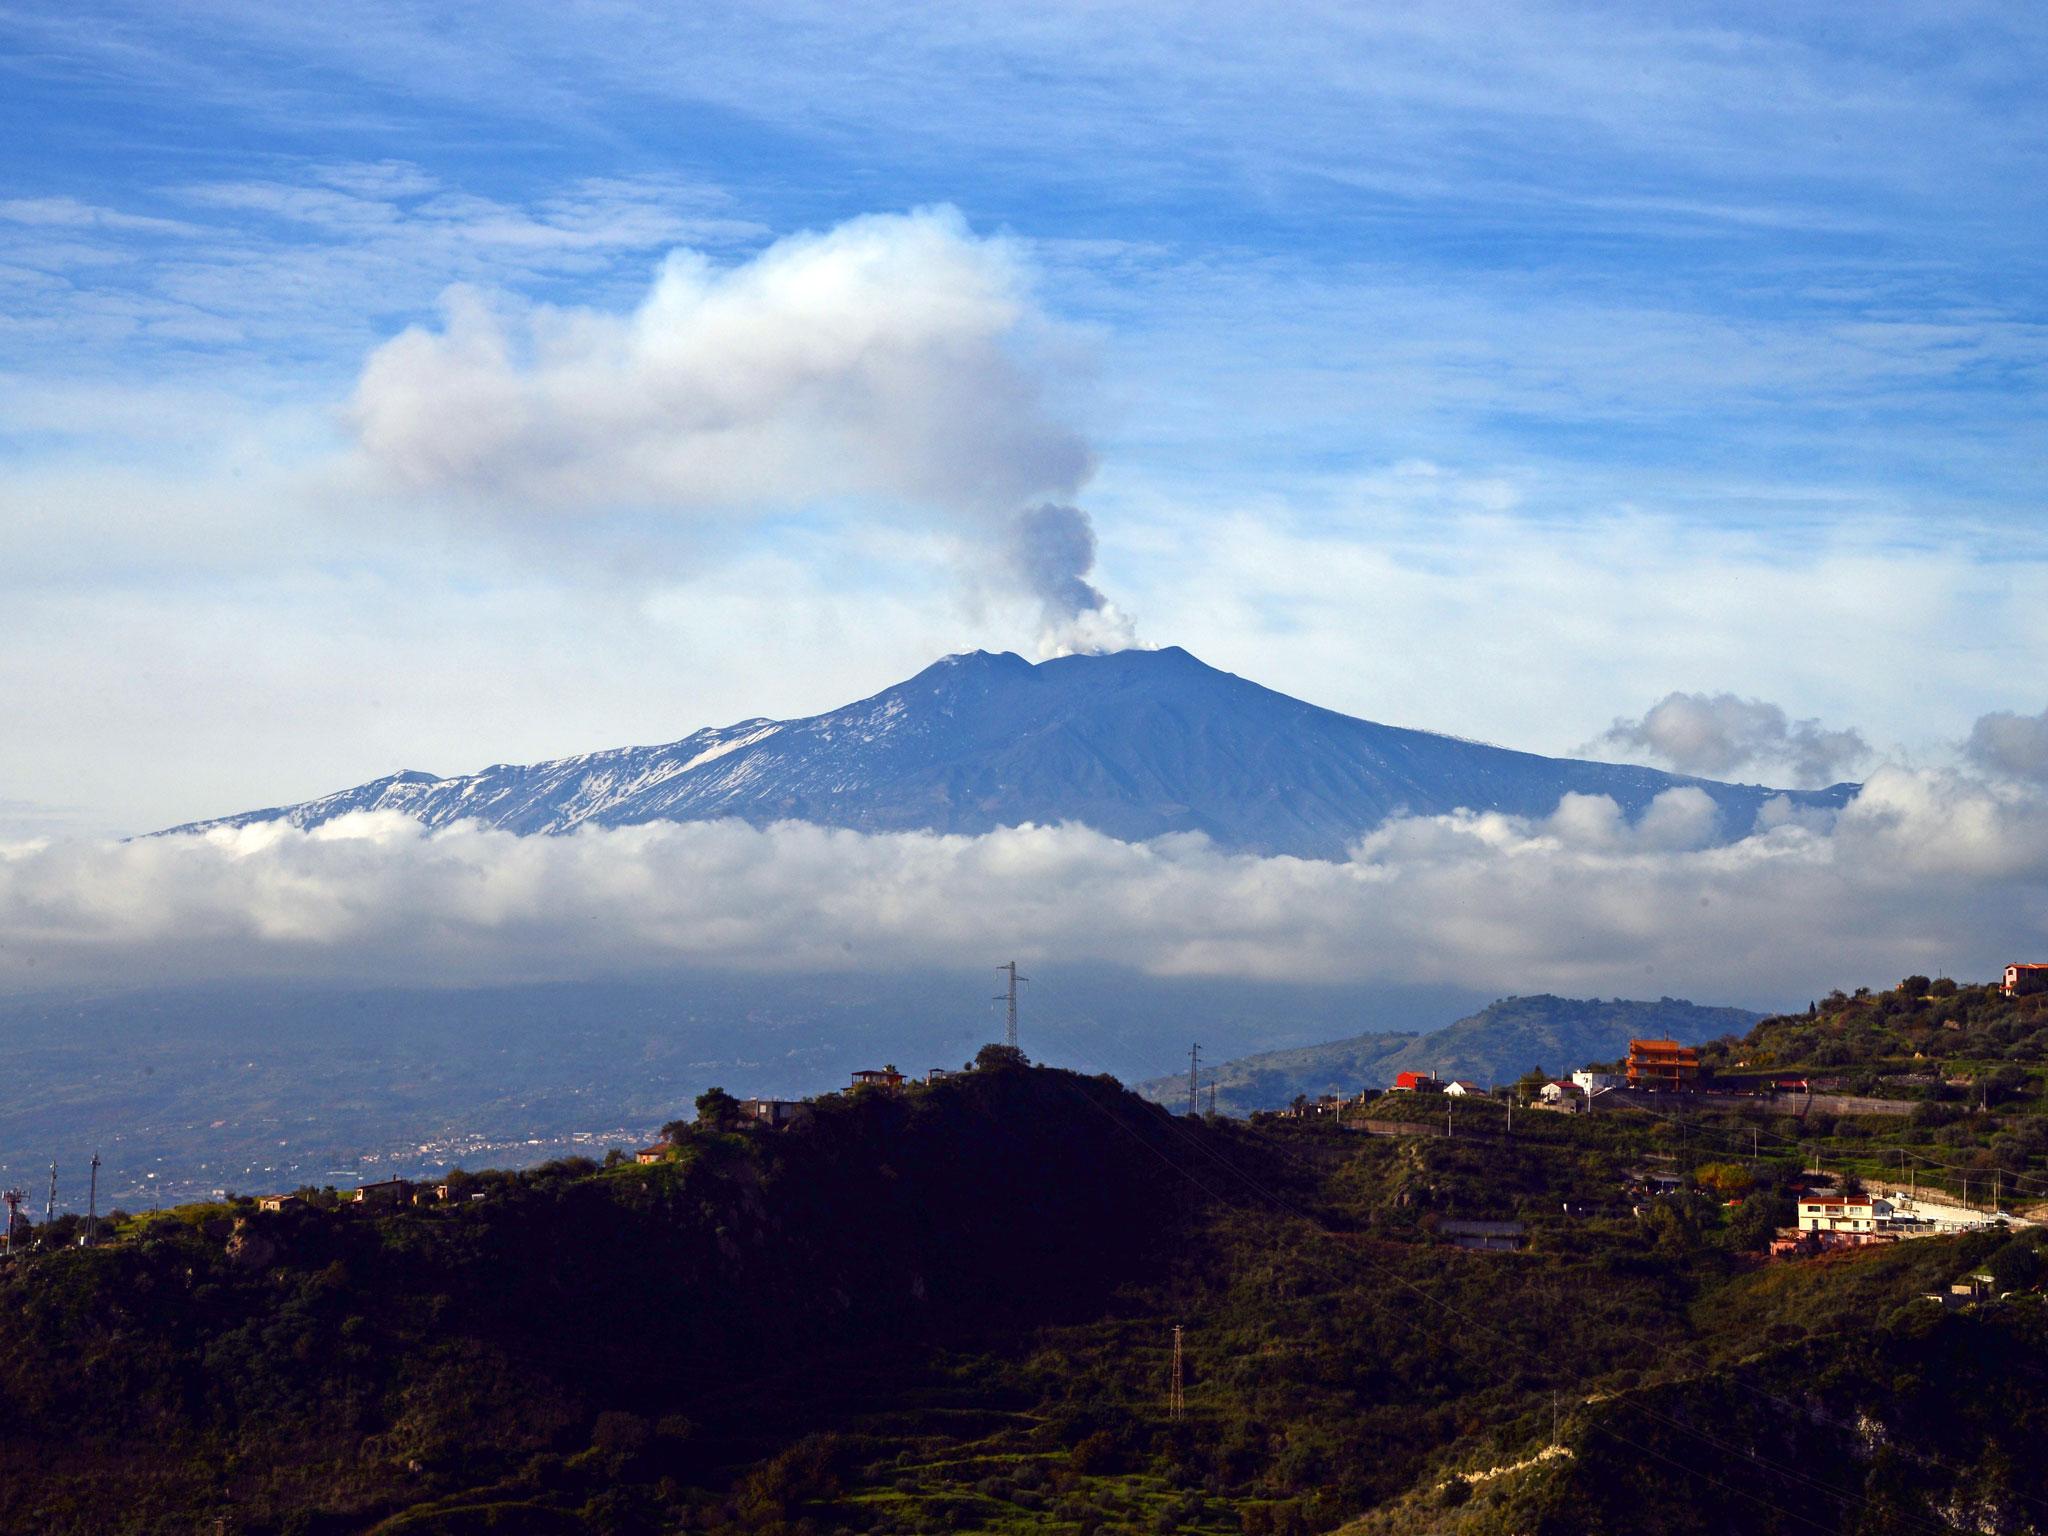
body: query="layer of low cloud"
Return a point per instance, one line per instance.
(1922, 872)
(893, 360)
(1720, 735)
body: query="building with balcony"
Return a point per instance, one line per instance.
(1662, 1065)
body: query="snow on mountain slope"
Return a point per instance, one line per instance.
(1135, 744)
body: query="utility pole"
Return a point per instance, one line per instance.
(50, 1204)
(1009, 995)
(92, 1202)
(1176, 1401)
(1194, 1079)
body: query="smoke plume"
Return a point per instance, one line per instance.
(1052, 552)
(891, 367)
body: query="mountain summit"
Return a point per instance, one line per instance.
(1135, 744)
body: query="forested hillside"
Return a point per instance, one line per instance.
(952, 1309)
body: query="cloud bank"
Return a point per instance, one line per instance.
(1922, 872)
(1718, 735)
(895, 359)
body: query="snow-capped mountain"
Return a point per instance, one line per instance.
(1135, 744)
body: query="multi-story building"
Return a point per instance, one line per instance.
(1845, 1220)
(1662, 1064)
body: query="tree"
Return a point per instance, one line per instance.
(2015, 1266)
(1753, 1224)
(1730, 1181)
(996, 1058)
(717, 1110)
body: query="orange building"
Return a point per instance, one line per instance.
(1663, 1064)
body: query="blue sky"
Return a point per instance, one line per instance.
(1493, 368)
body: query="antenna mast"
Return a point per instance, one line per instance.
(1009, 996)
(1176, 1401)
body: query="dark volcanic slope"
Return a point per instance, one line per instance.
(1135, 744)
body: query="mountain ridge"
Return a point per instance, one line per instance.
(1135, 744)
(1494, 1045)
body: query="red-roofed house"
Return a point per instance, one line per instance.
(1415, 1082)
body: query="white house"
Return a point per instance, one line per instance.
(1457, 1088)
(1844, 1218)
(1590, 1083)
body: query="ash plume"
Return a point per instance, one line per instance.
(895, 361)
(1052, 552)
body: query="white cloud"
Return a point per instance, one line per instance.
(892, 359)
(2010, 745)
(70, 213)
(1927, 872)
(878, 359)
(1719, 734)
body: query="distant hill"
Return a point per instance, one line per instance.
(1500, 1042)
(1135, 744)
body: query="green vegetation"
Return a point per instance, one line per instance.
(1965, 1066)
(1875, 1037)
(951, 1309)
